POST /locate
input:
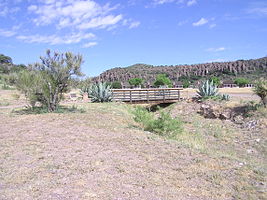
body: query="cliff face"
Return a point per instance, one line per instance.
(175, 73)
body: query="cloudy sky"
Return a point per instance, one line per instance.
(118, 33)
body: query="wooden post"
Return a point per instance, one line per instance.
(131, 101)
(147, 95)
(179, 95)
(163, 95)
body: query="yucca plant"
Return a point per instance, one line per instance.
(207, 89)
(261, 90)
(100, 92)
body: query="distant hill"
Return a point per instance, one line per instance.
(251, 69)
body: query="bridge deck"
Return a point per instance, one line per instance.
(147, 95)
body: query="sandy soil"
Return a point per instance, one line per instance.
(101, 154)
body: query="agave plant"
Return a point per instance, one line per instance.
(100, 92)
(225, 97)
(207, 89)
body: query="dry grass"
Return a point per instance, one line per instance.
(101, 154)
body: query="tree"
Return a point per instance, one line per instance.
(241, 82)
(216, 80)
(116, 85)
(162, 80)
(186, 84)
(136, 81)
(261, 90)
(5, 59)
(51, 77)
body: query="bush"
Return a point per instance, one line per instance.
(215, 80)
(136, 81)
(163, 125)
(241, 82)
(46, 81)
(162, 80)
(261, 90)
(186, 84)
(116, 85)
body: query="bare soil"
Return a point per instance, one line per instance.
(102, 154)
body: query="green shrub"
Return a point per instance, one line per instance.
(162, 80)
(241, 82)
(261, 90)
(163, 125)
(215, 80)
(136, 81)
(6, 87)
(186, 84)
(116, 85)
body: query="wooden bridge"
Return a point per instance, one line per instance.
(148, 95)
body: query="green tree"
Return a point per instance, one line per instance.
(260, 89)
(136, 81)
(162, 80)
(51, 77)
(116, 85)
(216, 80)
(241, 82)
(186, 84)
(5, 59)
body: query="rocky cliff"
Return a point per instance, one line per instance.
(193, 72)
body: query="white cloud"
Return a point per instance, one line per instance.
(201, 22)
(258, 11)
(100, 22)
(80, 14)
(216, 49)
(185, 2)
(55, 39)
(181, 23)
(191, 2)
(212, 25)
(90, 44)
(134, 24)
(7, 33)
(159, 2)
(258, 8)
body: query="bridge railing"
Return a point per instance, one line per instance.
(146, 95)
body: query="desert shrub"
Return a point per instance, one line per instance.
(43, 110)
(6, 87)
(136, 81)
(186, 84)
(260, 89)
(162, 80)
(216, 80)
(241, 82)
(116, 85)
(46, 81)
(163, 125)
(100, 92)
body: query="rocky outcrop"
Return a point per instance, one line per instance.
(175, 73)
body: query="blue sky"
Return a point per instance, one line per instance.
(120, 33)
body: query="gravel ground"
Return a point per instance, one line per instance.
(101, 154)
